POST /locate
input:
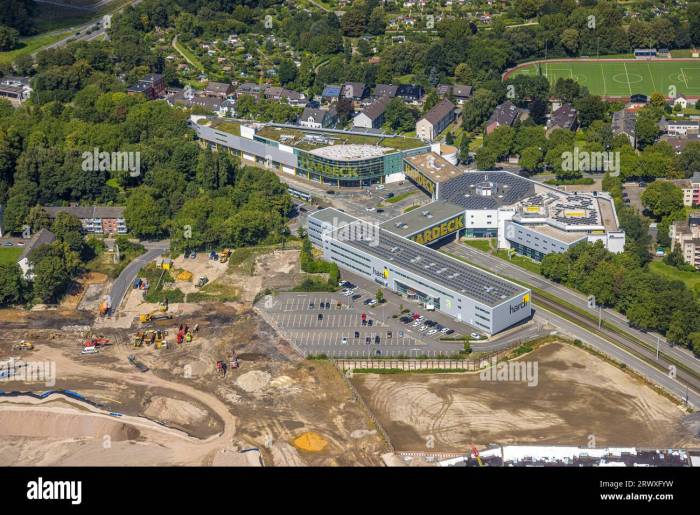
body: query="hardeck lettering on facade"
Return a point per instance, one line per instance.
(440, 230)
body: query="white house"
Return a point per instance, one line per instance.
(43, 237)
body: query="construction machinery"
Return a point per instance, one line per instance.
(154, 337)
(475, 454)
(225, 254)
(105, 306)
(140, 366)
(145, 318)
(96, 341)
(23, 345)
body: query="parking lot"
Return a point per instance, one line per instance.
(332, 324)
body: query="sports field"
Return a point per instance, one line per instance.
(622, 78)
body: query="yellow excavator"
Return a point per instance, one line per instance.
(23, 345)
(144, 318)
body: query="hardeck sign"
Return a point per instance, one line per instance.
(517, 307)
(440, 230)
(420, 179)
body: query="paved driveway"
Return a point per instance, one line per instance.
(126, 278)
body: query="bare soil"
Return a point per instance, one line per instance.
(578, 399)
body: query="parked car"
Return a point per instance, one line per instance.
(377, 339)
(357, 334)
(320, 316)
(344, 341)
(431, 332)
(475, 336)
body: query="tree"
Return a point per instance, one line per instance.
(647, 128)
(662, 198)
(8, 38)
(68, 229)
(145, 216)
(287, 72)
(398, 116)
(11, 284)
(589, 108)
(463, 73)
(531, 159)
(379, 296)
(38, 219)
(567, 90)
(570, 40)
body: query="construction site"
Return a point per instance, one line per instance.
(186, 371)
(205, 383)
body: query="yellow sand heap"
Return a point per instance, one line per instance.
(184, 276)
(310, 441)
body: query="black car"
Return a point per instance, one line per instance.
(369, 323)
(377, 339)
(357, 334)
(449, 331)
(311, 305)
(320, 316)
(368, 340)
(379, 211)
(430, 323)
(367, 301)
(364, 322)
(331, 192)
(389, 195)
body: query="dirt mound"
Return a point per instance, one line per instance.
(253, 381)
(310, 441)
(175, 410)
(47, 424)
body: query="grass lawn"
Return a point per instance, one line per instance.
(621, 79)
(521, 261)
(189, 56)
(481, 244)
(31, 45)
(691, 279)
(9, 255)
(399, 198)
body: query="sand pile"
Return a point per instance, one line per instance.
(45, 424)
(253, 381)
(310, 441)
(282, 382)
(174, 410)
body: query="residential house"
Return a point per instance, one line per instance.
(43, 237)
(410, 93)
(678, 143)
(372, 117)
(562, 118)
(249, 89)
(15, 89)
(679, 127)
(315, 118)
(690, 188)
(95, 219)
(292, 97)
(152, 86)
(685, 235)
(385, 90)
(331, 93)
(218, 89)
(355, 91)
(506, 114)
(682, 101)
(624, 122)
(459, 92)
(436, 120)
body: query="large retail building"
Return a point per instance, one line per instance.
(469, 294)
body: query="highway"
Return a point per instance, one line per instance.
(509, 271)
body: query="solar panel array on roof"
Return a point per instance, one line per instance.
(467, 190)
(576, 210)
(432, 265)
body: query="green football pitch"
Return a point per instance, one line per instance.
(622, 78)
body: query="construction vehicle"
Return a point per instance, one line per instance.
(144, 318)
(221, 368)
(96, 342)
(161, 344)
(89, 350)
(23, 345)
(475, 453)
(137, 363)
(225, 254)
(233, 363)
(105, 306)
(138, 339)
(201, 281)
(163, 305)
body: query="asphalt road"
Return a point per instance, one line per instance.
(508, 270)
(126, 278)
